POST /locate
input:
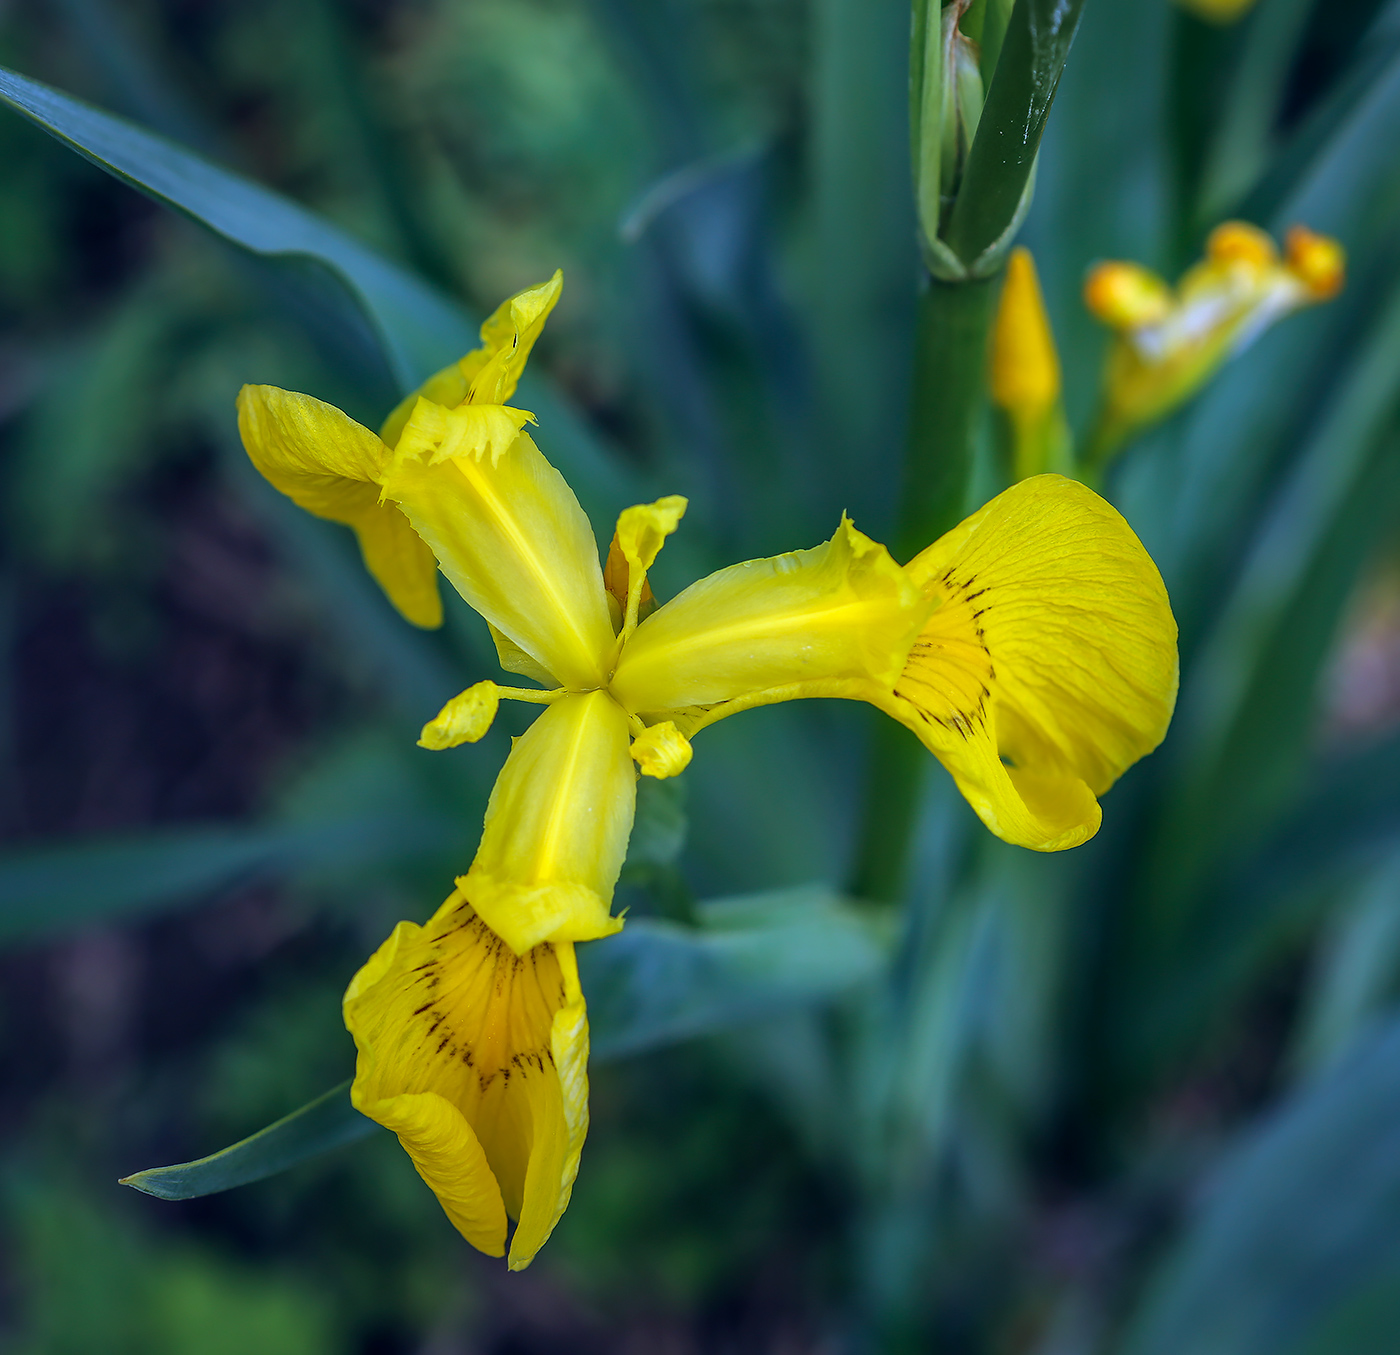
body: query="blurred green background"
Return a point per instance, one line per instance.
(1139, 1099)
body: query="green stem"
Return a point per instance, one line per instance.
(898, 763)
(949, 398)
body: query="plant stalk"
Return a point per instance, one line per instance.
(948, 402)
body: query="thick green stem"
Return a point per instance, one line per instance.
(948, 401)
(898, 764)
(949, 398)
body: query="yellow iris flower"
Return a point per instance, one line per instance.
(1167, 342)
(1031, 649)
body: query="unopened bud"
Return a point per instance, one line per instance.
(1317, 261)
(1025, 367)
(1240, 243)
(1126, 295)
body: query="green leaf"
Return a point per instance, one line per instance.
(1358, 971)
(1244, 718)
(652, 984)
(328, 1122)
(420, 330)
(656, 982)
(1298, 1241)
(59, 886)
(1240, 146)
(1368, 83)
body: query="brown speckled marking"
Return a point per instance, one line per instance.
(484, 948)
(948, 674)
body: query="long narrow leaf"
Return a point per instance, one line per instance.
(653, 984)
(330, 1121)
(1299, 1239)
(49, 889)
(420, 330)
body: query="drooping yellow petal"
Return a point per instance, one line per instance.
(843, 611)
(477, 1059)
(557, 827)
(330, 465)
(509, 534)
(1049, 666)
(489, 374)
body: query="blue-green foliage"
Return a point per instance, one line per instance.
(1179, 1040)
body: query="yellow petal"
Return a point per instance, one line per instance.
(556, 827)
(841, 611)
(642, 531)
(330, 465)
(506, 340)
(661, 751)
(1049, 666)
(447, 388)
(1218, 11)
(464, 719)
(1317, 261)
(477, 1059)
(510, 536)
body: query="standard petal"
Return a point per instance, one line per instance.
(477, 1059)
(330, 465)
(1049, 666)
(510, 536)
(557, 827)
(841, 612)
(488, 374)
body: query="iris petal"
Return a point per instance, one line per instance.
(843, 611)
(476, 1058)
(330, 465)
(557, 827)
(1050, 665)
(510, 536)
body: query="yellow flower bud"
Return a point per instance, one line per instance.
(1025, 367)
(661, 751)
(1126, 295)
(1317, 261)
(464, 719)
(1238, 242)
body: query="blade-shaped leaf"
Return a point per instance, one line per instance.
(330, 1121)
(1299, 1236)
(652, 984)
(657, 982)
(420, 330)
(58, 886)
